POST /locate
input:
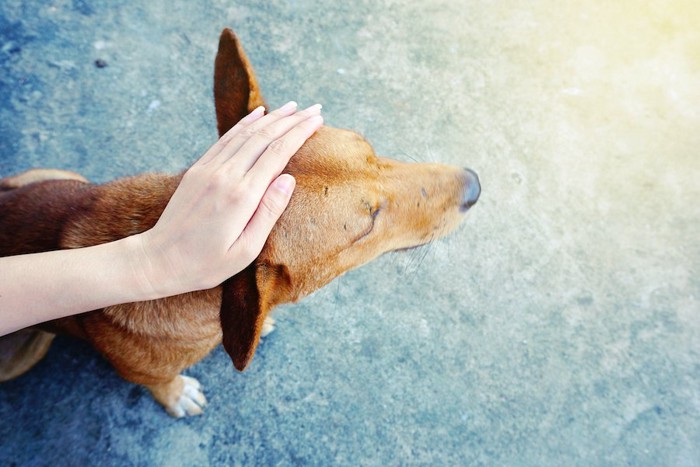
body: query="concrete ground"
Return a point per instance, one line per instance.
(559, 326)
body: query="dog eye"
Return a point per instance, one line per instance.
(373, 209)
(376, 209)
(373, 213)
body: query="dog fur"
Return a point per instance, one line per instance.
(349, 207)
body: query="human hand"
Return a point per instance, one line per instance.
(221, 214)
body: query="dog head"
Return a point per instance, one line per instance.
(349, 207)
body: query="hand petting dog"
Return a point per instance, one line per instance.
(159, 236)
(197, 243)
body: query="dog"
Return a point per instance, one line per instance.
(349, 207)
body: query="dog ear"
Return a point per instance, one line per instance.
(246, 300)
(236, 90)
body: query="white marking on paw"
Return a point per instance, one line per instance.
(191, 401)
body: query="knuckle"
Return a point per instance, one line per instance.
(238, 193)
(278, 146)
(218, 180)
(266, 134)
(272, 206)
(248, 132)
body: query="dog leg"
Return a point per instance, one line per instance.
(21, 350)
(180, 396)
(38, 175)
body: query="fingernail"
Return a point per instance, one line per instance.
(258, 111)
(288, 106)
(285, 183)
(314, 108)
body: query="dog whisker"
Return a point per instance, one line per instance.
(409, 262)
(337, 287)
(418, 255)
(429, 152)
(421, 258)
(428, 247)
(405, 153)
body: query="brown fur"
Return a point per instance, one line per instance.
(349, 207)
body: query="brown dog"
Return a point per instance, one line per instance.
(349, 207)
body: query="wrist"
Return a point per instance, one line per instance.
(148, 275)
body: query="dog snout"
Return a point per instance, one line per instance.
(471, 190)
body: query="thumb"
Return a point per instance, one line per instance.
(272, 205)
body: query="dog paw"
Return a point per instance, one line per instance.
(268, 326)
(191, 400)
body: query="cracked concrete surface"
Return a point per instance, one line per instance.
(559, 326)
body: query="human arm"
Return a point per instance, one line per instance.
(196, 244)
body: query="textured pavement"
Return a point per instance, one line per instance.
(559, 326)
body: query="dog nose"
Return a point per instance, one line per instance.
(472, 189)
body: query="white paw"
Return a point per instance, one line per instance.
(268, 326)
(191, 400)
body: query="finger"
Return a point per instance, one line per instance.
(228, 145)
(273, 203)
(257, 144)
(216, 148)
(234, 144)
(277, 155)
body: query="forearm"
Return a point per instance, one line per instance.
(44, 286)
(215, 224)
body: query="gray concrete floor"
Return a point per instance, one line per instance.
(559, 326)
